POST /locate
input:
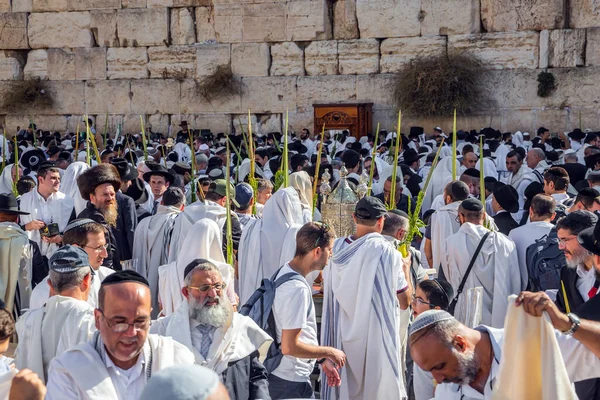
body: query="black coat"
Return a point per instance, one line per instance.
(39, 265)
(401, 204)
(141, 213)
(569, 277)
(127, 221)
(246, 379)
(112, 261)
(505, 222)
(576, 172)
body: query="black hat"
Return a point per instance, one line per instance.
(416, 131)
(181, 168)
(8, 204)
(410, 156)
(183, 123)
(126, 170)
(369, 208)
(32, 159)
(472, 172)
(592, 160)
(190, 267)
(137, 191)
(471, 204)
(577, 134)
(589, 239)
(124, 276)
(589, 192)
(160, 170)
(52, 150)
(508, 198)
(96, 176)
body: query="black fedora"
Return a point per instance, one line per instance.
(126, 171)
(8, 204)
(137, 191)
(589, 239)
(160, 171)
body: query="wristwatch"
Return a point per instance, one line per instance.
(575, 322)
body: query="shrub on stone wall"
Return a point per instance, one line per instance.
(546, 84)
(27, 96)
(221, 84)
(436, 86)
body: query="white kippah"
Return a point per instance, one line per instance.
(182, 382)
(428, 318)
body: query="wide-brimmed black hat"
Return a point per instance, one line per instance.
(8, 204)
(507, 197)
(577, 134)
(32, 159)
(589, 239)
(126, 170)
(410, 156)
(181, 168)
(137, 191)
(160, 170)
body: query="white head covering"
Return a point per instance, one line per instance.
(69, 185)
(301, 182)
(203, 241)
(439, 179)
(6, 179)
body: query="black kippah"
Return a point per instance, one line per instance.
(124, 276)
(473, 172)
(472, 204)
(400, 213)
(190, 267)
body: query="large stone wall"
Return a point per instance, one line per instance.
(126, 58)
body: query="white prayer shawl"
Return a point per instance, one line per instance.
(151, 247)
(303, 185)
(190, 215)
(61, 208)
(361, 318)
(6, 180)
(244, 170)
(384, 170)
(489, 168)
(266, 244)
(183, 151)
(443, 224)
(440, 178)
(69, 187)
(88, 372)
(49, 331)
(524, 173)
(496, 269)
(15, 265)
(532, 366)
(501, 153)
(41, 292)
(242, 338)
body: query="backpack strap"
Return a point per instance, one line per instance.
(292, 276)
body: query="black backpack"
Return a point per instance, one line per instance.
(259, 309)
(544, 262)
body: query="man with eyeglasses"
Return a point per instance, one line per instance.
(65, 320)
(221, 339)
(120, 358)
(89, 236)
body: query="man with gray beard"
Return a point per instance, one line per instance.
(578, 276)
(224, 341)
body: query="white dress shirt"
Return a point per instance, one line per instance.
(585, 281)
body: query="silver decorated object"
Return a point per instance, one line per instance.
(363, 185)
(338, 207)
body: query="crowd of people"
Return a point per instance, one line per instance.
(151, 267)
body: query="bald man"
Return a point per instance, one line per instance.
(121, 357)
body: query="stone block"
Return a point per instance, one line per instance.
(269, 95)
(172, 62)
(158, 123)
(388, 18)
(11, 66)
(449, 17)
(134, 4)
(397, 52)
(182, 26)
(69, 98)
(205, 25)
(104, 27)
(37, 64)
(500, 50)
(143, 27)
(22, 5)
(264, 22)
(324, 89)
(4, 6)
(62, 29)
(215, 122)
(565, 48)
(321, 58)
(52, 123)
(228, 23)
(192, 101)
(50, 5)
(298, 120)
(377, 89)
(592, 54)
(262, 124)
(84, 5)
(61, 64)
(210, 56)
(90, 63)
(127, 63)
(521, 15)
(250, 59)
(583, 13)
(287, 59)
(308, 20)
(13, 31)
(155, 96)
(345, 24)
(179, 3)
(360, 56)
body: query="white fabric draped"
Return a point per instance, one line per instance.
(15, 264)
(439, 179)
(68, 184)
(443, 224)
(6, 180)
(302, 183)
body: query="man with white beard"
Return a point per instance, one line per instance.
(65, 320)
(226, 342)
(121, 356)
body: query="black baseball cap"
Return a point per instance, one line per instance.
(370, 208)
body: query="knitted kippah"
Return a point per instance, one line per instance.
(428, 318)
(76, 223)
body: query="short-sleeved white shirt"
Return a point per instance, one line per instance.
(291, 306)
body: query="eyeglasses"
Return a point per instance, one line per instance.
(121, 327)
(205, 288)
(564, 241)
(324, 228)
(416, 299)
(99, 248)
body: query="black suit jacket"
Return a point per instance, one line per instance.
(505, 222)
(127, 221)
(576, 172)
(246, 379)
(401, 204)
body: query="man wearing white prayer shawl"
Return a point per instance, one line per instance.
(440, 178)
(65, 320)
(69, 187)
(466, 362)
(46, 206)
(90, 236)
(496, 267)
(301, 182)
(268, 243)
(9, 174)
(121, 356)
(203, 241)
(520, 177)
(221, 339)
(152, 238)
(364, 290)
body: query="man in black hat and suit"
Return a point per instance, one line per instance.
(127, 217)
(505, 201)
(138, 192)
(159, 179)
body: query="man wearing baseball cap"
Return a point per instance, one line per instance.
(65, 320)
(366, 264)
